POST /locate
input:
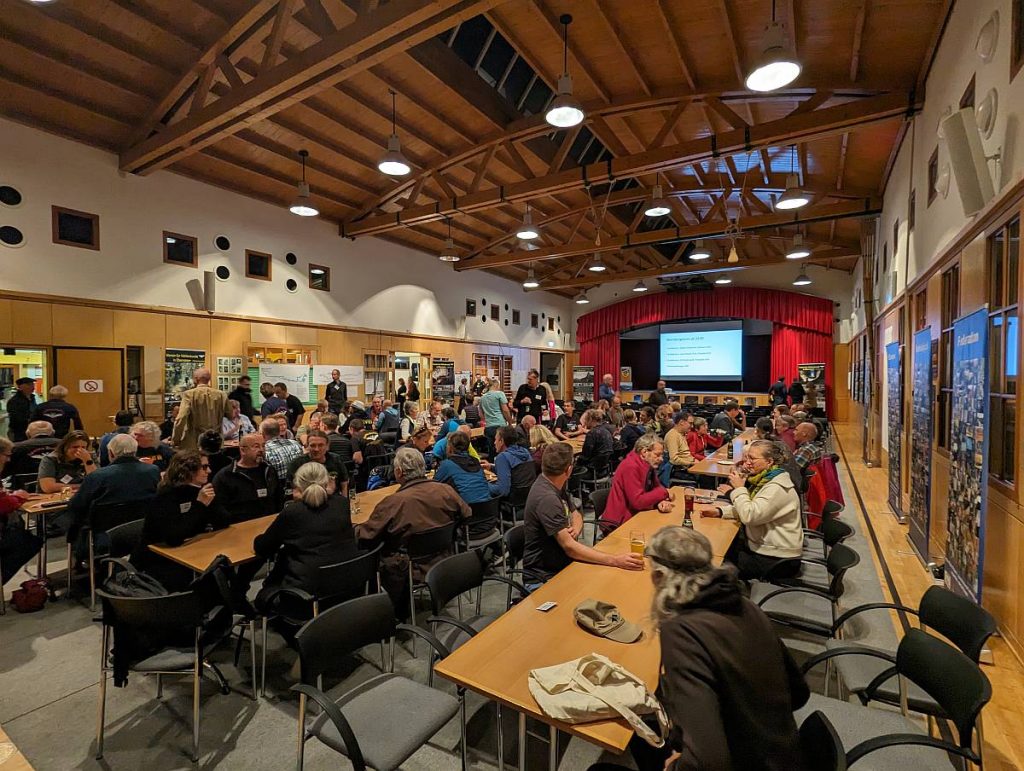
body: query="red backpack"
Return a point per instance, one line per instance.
(31, 596)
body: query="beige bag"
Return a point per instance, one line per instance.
(595, 688)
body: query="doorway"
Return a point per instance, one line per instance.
(18, 363)
(551, 371)
(413, 366)
(95, 379)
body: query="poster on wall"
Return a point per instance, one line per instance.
(894, 381)
(295, 376)
(352, 376)
(921, 443)
(968, 455)
(179, 364)
(625, 378)
(813, 378)
(442, 379)
(583, 383)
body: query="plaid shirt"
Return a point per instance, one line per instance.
(808, 454)
(280, 452)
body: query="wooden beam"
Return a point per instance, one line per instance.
(396, 26)
(481, 169)
(789, 10)
(843, 147)
(766, 164)
(675, 42)
(734, 49)
(801, 164)
(230, 73)
(521, 167)
(815, 101)
(725, 112)
(616, 39)
(581, 63)
(416, 190)
(202, 89)
(858, 38)
(820, 123)
(813, 213)
(319, 19)
(670, 123)
(568, 138)
(276, 39)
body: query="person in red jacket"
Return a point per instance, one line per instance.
(635, 486)
(16, 548)
(696, 439)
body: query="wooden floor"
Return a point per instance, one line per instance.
(1003, 718)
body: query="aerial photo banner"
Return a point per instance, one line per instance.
(894, 378)
(921, 443)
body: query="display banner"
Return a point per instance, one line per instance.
(921, 443)
(625, 378)
(179, 365)
(968, 455)
(894, 377)
(812, 376)
(442, 379)
(583, 384)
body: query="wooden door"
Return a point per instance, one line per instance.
(94, 378)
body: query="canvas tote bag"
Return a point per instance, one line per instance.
(595, 688)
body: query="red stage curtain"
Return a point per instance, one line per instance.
(603, 354)
(791, 346)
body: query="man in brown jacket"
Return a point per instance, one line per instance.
(202, 409)
(419, 504)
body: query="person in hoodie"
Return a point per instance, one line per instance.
(635, 486)
(462, 471)
(728, 684)
(513, 465)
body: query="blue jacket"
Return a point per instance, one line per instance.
(125, 479)
(466, 476)
(450, 426)
(105, 440)
(511, 472)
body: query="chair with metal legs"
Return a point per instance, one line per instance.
(422, 546)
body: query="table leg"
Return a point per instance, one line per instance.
(522, 741)
(41, 532)
(552, 748)
(501, 742)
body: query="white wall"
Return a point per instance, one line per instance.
(375, 284)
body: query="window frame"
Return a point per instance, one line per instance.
(181, 237)
(270, 265)
(324, 277)
(1016, 38)
(933, 174)
(1003, 307)
(56, 211)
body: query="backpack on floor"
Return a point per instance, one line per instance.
(31, 597)
(129, 582)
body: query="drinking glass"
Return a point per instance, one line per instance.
(637, 541)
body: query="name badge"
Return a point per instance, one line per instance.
(185, 507)
(261, 493)
(66, 479)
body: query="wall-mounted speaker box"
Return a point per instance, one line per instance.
(210, 290)
(967, 159)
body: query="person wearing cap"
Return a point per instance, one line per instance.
(727, 682)
(635, 486)
(552, 524)
(20, 407)
(122, 425)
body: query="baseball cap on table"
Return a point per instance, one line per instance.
(604, 620)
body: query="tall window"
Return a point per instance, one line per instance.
(933, 174)
(921, 310)
(1003, 348)
(950, 311)
(1017, 33)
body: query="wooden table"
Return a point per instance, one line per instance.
(37, 508)
(476, 433)
(576, 443)
(496, 662)
(712, 465)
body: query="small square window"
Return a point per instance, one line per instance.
(933, 174)
(181, 250)
(494, 311)
(257, 265)
(895, 236)
(534, 321)
(471, 308)
(320, 277)
(75, 228)
(515, 316)
(551, 324)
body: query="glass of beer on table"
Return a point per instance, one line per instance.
(637, 541)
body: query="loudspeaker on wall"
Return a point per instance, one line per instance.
(210, 291)
(968, 161)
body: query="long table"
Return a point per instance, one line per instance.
(715, 465)
(495, 663)
(40, 508)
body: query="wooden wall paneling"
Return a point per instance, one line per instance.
(31, 323)
(189, 332)
(300, 335)
(973, 273)
(228, 338)
(937, 535)
(272, 334)
(934, 305)
(83, 326)
(1003, 572)
(139, 328)
(841, 397)
(6, 332)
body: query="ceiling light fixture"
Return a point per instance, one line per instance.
(530, 282)
(776, 66)
(565, 111)
(394, 163)
(448, 254)
(792, 197)
(802, 279)
(799, 249)
(640, 286)
(658, 205)
(700, 252)
(527, 231)
(302, 205)
(317, 271)
(734, 256)
(581, 298)
(596, 266)
(723, 279)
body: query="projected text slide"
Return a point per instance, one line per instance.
(705, 355)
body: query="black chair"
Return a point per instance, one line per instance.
(481, 529)
(945, 674)
(422, 546)
(599, 498)
(103, 517)
(818, 542)
(515, 548)
(591, 476)
(380, 723)
(822, 748)
(513, 505)
(173, 617)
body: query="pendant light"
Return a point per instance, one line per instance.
(448, 254)
(798, 250)
(793, 197)
(596, 266)
(530, 282)
(394, 163)
(527, 231)
(700, 252)
(302, 205)
(658, 205)
(565, 111)
(640, 286)
(776, 66)
(723, 279)
(802, 279)
(734, 256)
(581, 298)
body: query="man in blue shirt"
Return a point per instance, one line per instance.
(122, 425)
(514, 464)
(606, 390)
(441, 445)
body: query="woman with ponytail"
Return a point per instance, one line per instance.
(313, 529)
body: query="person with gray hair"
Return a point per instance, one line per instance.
(727, 682)
(58, 412)
(418, 505)
(151, 449)
(202, 409)
(635, 486)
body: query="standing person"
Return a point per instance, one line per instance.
(413, 394)
(400, 393)
(336, 392)
(463, 390)
(202, 409)
(796, 391)
(59, 413)
(494, 406)
(20, 407)
(778, 392)
(242, 394)
(293, 408)
(658, 396)
(530, 397)
(606, 390)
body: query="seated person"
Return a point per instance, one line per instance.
(329, 424)
(235, 425)
(470, 414)
(26, 455)
(313, 529)
(635, 486)
(167, 427)
(440, 450)
(664, 418)
(567, 425)
(450, 422)
(249, 487)
(785, 427)
(513, 464)
(15, 549)
(432, 417)
(696, 439)
(723, 425)
(409, 423)
(540, 437)
(419, 504)
(389, 422)
(524, 427)
(122, 425)
(185, 505)
(765, 429)
(278, 450)
(768, 506)
(599, 444)
(727, 682)
(677, 452)
(808, 449)
(631, 430)
(779, 409)
(151, 449)
(68, 465)
(552, 525)
(317, 452)
(422, 441)
(211, 445)
(462, 471)
(647, 419)
(739, 418)
(616, 418)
